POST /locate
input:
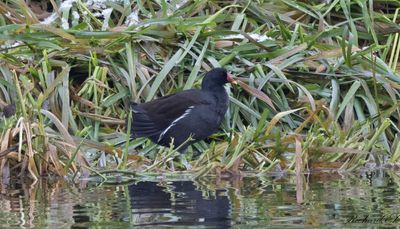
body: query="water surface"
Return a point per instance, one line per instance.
(325, 200)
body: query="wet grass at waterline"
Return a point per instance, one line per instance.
(323, 84)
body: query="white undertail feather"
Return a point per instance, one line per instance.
(187, 111)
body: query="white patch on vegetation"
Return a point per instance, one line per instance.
(66, 5)
(10, 45)
(64, 23)
(97, 14)
(75, 18)
(255, 36)
(7, 46)
(95, 4)
(50, 19)
(75, 15)
(132, 18)
(64, 10)
(181, 3)
(98, 8)
(100, 4)
(106, 13)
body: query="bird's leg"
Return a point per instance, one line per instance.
(232, 172)
(235, 167)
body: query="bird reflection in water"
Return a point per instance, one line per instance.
(180, 204)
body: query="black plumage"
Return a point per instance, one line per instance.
(195, 113)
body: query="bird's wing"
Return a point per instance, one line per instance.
(154, 117)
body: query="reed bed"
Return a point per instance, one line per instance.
(319, 84)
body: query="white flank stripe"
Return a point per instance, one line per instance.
(187, 111)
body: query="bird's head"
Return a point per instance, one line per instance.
(217, 77)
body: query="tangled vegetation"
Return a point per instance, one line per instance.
(326, 69)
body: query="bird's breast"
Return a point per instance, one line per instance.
(220, 106)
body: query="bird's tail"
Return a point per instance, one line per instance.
(142, 125)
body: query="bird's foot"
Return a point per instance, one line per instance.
(233, 171)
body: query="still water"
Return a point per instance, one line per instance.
(325, 200)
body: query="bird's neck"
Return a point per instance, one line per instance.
(215, 88)
(218, 92)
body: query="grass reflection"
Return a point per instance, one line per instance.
(318, 200)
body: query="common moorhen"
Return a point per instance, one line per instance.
(191, 113)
